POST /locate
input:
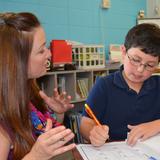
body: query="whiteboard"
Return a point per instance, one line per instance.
(149, 20)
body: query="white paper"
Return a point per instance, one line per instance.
(117, 151)
(153, 142)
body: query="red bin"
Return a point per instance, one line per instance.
(61, 52)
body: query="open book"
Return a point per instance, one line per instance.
(147, 150)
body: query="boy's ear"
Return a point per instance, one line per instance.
(123, 51)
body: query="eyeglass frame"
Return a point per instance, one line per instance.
(138, 63)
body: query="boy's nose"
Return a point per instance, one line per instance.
(141, 68)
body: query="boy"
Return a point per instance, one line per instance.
(128, 101)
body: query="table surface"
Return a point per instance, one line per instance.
(70, 155)
(76, 154)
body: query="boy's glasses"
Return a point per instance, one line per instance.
(137, 62)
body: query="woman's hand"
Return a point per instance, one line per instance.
(59, 103)
(142, 131)
(51, 143)
(99, 135)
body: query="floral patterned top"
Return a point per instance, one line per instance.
(38, 120)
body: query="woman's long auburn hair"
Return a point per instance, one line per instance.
(16, 91)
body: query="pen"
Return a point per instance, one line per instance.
(91, 114)
(150, 157)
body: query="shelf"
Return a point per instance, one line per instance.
(76, 83)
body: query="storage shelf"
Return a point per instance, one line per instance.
(76, 83)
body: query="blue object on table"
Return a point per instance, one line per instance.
(152, 158)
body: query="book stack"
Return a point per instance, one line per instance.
(82, 87)
(72, 121)
(61, 84)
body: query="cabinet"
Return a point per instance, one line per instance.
(153, 8)
(76, 83)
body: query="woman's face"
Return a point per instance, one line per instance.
(39, 56)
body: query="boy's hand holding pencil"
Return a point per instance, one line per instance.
(99, 133)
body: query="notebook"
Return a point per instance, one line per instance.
(147, 150)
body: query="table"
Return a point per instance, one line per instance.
(76, 154)
(70, 155)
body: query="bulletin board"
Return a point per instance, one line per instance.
(149, 20)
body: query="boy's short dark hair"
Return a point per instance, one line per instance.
(144, 36)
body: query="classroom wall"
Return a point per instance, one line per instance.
(81, 20)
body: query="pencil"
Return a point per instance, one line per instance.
(91, 114)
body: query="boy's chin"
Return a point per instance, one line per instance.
(137, 80)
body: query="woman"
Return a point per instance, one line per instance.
(23, 108)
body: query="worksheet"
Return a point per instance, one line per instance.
(118, 151)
